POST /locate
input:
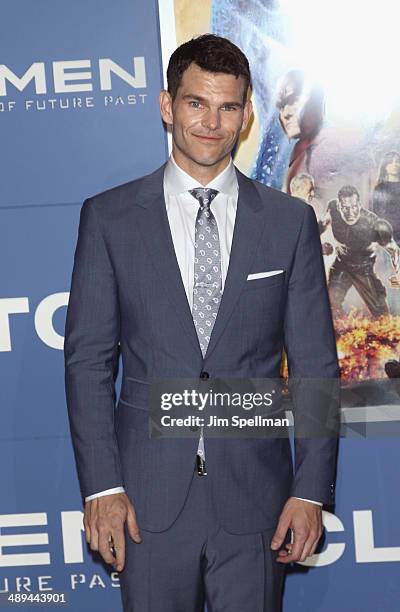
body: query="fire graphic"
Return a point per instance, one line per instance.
(364, 345)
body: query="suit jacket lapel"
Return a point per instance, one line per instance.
(157, 237)
(247, 232)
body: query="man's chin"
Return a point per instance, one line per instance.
(204, 156)
(207, 160)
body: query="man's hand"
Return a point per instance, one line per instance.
(305, 520)
(104, 520)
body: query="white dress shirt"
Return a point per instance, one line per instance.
(182, 210)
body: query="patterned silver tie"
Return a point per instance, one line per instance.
(207, 286)
(207, 267)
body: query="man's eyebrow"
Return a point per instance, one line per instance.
(235, 103)
(202, 99)
(190, 96)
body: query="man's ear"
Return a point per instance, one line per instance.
(247, 112)
(166, 107)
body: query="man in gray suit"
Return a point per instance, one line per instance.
(197, 272)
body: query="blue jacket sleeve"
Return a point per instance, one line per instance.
(314, 374)
(91, 352)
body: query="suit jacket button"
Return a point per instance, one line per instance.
(204, 374)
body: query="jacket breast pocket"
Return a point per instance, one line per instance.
(266, 282)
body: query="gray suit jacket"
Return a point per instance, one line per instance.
(126, 288)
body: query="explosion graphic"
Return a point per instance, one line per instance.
(364, 345)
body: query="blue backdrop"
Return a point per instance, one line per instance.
(65, 136)
(79, 87)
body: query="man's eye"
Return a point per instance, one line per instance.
(229, 107)
(194, 104)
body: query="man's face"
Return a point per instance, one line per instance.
(350, 209)
(290, 107)
(207, 116)
(304, 191)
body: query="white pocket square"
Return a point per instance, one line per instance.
(263, 274)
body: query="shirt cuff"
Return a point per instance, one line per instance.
(106, 492)
(309, 500)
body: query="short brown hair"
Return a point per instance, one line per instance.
(211, 53)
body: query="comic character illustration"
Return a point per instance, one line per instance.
(301, 115)
(358, 232)
(386, 196)
(332, 157)
(303, 186)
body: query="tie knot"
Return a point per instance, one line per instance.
(204, 195)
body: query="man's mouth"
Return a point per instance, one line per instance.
(208, 138)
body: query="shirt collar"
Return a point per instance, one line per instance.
(178, 181)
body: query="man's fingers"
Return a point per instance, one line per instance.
(132, 525)
(299, 540)
(105, 546)
(94, 534)
(305, 520)
(280, 533)
(308, 547)
(292, 553)
(104, 527)
(296, 550)
(313, 548)
(119, 547)
(87, 529)
(314, 543)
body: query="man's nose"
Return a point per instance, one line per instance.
(212, 119)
